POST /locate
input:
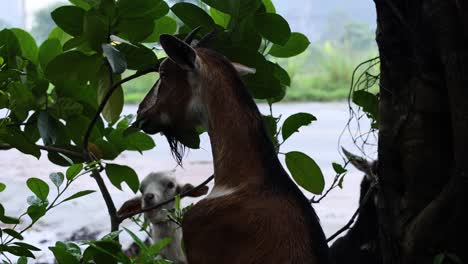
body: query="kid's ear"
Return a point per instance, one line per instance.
(179, 51)
(130, 206)
(359, 162)
(195, 193)
(242, 69)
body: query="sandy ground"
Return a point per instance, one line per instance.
(319, 140)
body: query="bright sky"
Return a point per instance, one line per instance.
(33, 5)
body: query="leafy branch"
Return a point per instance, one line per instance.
(91, 158)
(39, 206)
(156, 206)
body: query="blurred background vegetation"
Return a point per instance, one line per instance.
(322, 73)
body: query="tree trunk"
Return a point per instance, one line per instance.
(423, 142)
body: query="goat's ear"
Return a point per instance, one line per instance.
(242, 69)
(195, 193)
(359, 162)
(130, 206)
(178, 51)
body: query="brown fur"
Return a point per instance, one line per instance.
(267, 219)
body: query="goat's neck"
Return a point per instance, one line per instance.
(169, 229)
(242, 152)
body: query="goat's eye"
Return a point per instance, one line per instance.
(170, 185)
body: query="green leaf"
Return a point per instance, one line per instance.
(27, 246)
(158, 246)
(21, 100)
(104, 251)
(338, 168)
(78, 195)
(237, 9)
(35, 212)
(50, 49)
(14, 234)
(115, 58)
(10, 46)
(153, 9)
(111, 235)
(369, 103)
(57, 178)
(38, 187)
(296, 44)
(138, 57)
(22, 260)
(270, 8)
(190, 139)
(135, 29)
(2, 187)
(220, 18)
(33, 200)
(85, 4)
(17, 139)
(271, 124)
(115, 104)
(305, 172)
(281, 74)
(273, 27)
(63, 256)
(262, 84)
(73, 171)
(139, 141)
(69, 19)
(193, 16)
(118, 174)
(27, 43)
(164, 25)
(96, 29)
(293, 123)
(7, 219)
(341, 181)
(83, 69)
(48, 128)
(60, 35)
(439, 259)
(16, 250)
(137, 240)
(66, 108)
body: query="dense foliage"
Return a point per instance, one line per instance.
(64, 96)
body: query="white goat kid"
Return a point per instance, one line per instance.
(156, 188)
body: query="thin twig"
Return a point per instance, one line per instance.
(90, 157)
(156, 206)
(356, 213)
(332, 186)
(104, 102)
(63, 151)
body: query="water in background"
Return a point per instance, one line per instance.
(319, 140)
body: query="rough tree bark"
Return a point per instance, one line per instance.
(423, 142)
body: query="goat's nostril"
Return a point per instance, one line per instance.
(149, 196)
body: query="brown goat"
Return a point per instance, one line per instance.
(255, 212)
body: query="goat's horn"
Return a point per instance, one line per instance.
(189, 38)
(208, 38)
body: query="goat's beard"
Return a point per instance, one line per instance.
(177, 148)
(179, 140)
